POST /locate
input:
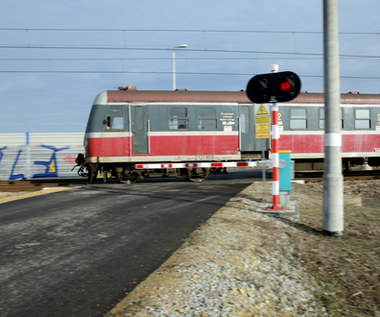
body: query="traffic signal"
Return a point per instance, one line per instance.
(273, 87)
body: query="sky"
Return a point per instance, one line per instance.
(56, 56)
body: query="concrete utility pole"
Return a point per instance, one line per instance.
(332, 178)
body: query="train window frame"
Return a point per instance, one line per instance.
(297, 122)
(207, 119)
(178, 121)
(115, 122)
(358, 120)
(321, 119)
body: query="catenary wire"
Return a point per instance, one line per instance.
(179, 30)
(162, 73)
(169, 49)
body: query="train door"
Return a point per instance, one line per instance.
(139, 129)
(254, 128)
(246, 131)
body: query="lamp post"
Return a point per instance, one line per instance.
(173, 63)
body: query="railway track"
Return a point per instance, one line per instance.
(315, 177)
(35, 185)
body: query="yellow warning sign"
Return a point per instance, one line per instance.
(262, 110)
(262, 119)
(262, 131)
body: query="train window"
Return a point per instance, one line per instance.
(139, 116)
(178, 119)
(116, 119)
(207, 119)
(244, 119)
(322, 119)
(362, 119)
(298, 118)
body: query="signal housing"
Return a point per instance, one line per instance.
(273, 87)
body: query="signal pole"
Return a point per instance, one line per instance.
(332, 178)
(275, 155)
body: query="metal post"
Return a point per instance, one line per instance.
(173, 64)
(263, 172)
(332, 178)
(173, 70)
(275, 155)
(275, 160)
(28, 160)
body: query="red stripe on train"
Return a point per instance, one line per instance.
(351, 143)
(165, 146)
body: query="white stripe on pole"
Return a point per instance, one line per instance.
(276, 160)
(333, 139)
(275, 188)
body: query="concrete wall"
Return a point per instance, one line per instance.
(39, 155)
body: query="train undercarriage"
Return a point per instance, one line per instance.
(127, 173)
(348, 164)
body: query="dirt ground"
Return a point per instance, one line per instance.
(345, 269)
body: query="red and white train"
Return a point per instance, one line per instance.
(133, 134)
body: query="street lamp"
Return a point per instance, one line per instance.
(173, 63)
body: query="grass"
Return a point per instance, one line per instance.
(345, 269)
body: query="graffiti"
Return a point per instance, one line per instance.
(17, 162)
(17, 176)
(2, 148)
(51, 166)
(37, 155)
(70, 159)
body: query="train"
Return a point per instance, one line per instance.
(132, 134)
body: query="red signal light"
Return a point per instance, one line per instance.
(285, 85)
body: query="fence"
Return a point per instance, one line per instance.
(39, 155)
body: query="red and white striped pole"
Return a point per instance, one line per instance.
(275, 155)
(275, 159)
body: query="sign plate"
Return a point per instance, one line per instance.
(262, 119)
(262, 130)
(262, 110)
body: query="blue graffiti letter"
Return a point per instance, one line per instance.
(51, 166)
(17, 176)
(2, 148)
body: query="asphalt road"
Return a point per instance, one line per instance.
(78, 252)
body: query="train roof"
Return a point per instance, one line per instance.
(133, 95)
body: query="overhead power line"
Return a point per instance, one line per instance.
(48, 59)
(179, 30)
(70, 47)
(149, 58)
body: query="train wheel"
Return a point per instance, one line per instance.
(128, 181)
(196, 180)
(197, 174)
(106, 176)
